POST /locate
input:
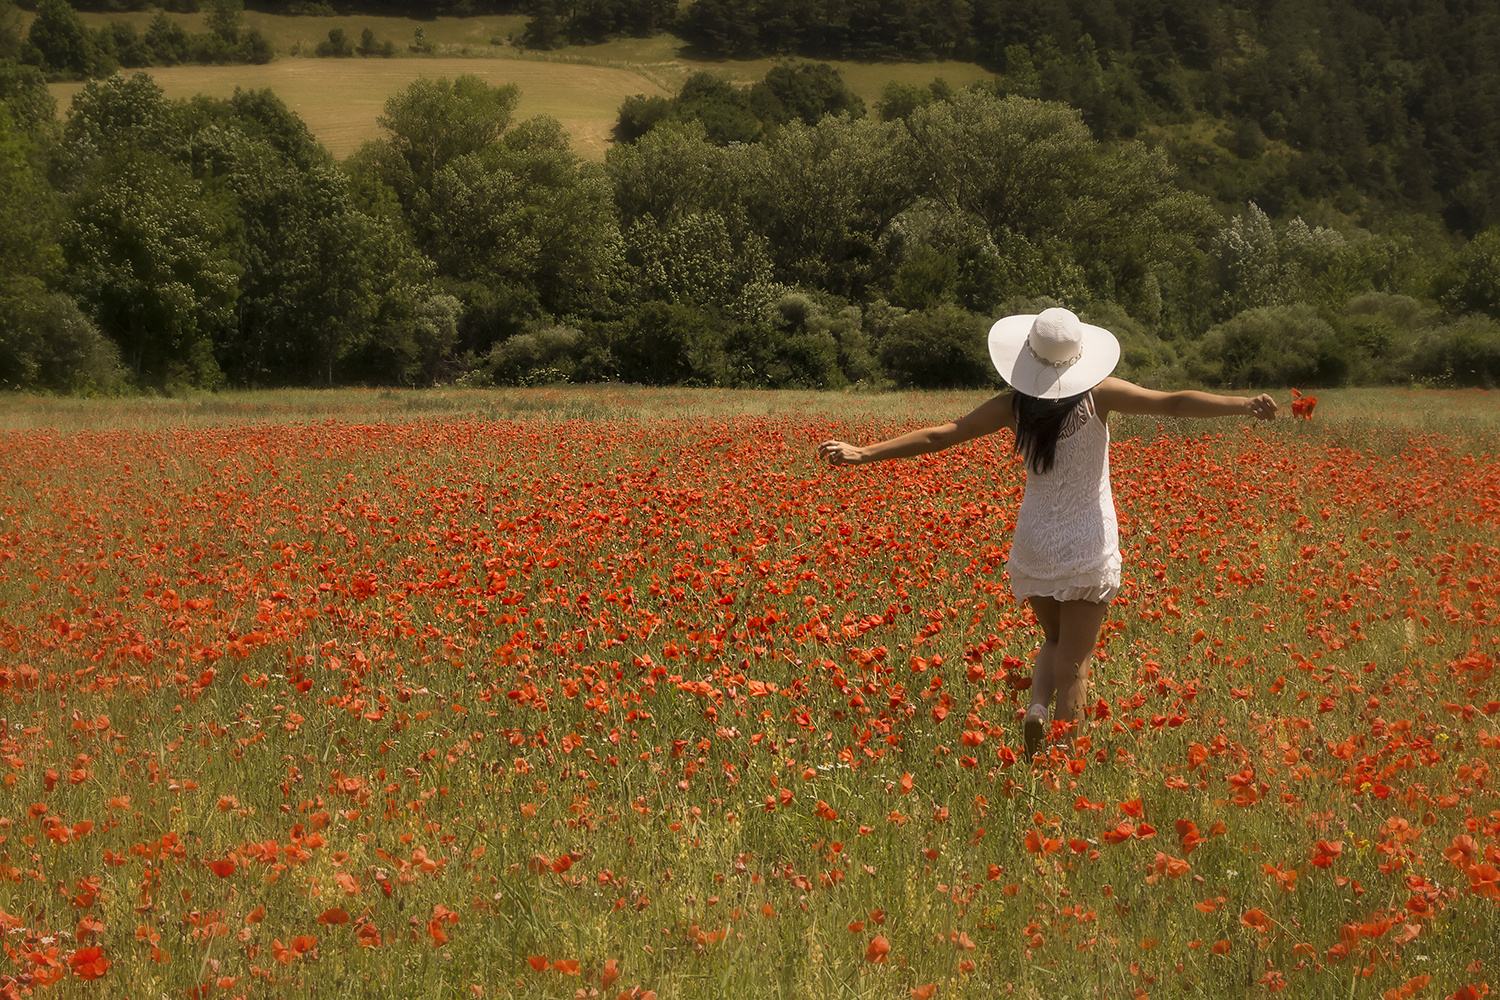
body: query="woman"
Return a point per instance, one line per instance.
(1065, 556)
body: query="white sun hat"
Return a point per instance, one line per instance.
(1052, 354)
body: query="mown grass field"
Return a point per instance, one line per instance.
(607, 691)
(581, 86)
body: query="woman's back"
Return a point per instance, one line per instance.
(1066, 543)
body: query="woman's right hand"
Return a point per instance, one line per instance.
(840, 453)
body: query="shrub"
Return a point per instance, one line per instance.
(1465, 353)
(1270, 346)
(338, 44)
(1471, 282)
(937, 348)
(47, 343)
(663, 343)
(545, 354)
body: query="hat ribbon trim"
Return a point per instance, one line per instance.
(1053, 364)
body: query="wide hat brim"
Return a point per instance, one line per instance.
(1099, 354)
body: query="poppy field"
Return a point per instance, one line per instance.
(618, 694)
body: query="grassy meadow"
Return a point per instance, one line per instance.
(603, 691)
(581, 86)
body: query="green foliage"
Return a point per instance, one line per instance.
(153, 264)
(662, 343)
(433, 122)
(116, 113)
(1287, 345)
(796, 339)
(1144, 357)
(824, 197)
(225, 18)
(165, 42)
(1261, 266)
(369, 46)
(63, 46)
(1471, 282)
(45, 342)
(1465, 353)
(1080, 219)
(804, 92)
(545, 29)
(943, 256)
(640, 114)
(937, 348)
(898, 100)
(10, 30)
(527, 212)
(696, 259)
(337, 45)
(720, 29)
(548, 353)
(723, 108)
(321, 280)
(24, 93)
(673, 171)
(413, 339)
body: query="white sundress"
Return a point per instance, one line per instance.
(1067, 542)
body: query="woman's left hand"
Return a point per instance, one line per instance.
(1262, 407)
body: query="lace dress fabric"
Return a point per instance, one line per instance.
(1067, 542)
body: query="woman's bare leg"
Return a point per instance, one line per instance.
(1061, 670)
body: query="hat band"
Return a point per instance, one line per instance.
(1055, 364)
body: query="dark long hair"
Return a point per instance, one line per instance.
(1039, 423)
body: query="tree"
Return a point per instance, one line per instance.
(1269, 346)
(433, 122)
(45, 342)
(545, 29)
(640, 114)
(165, 41)
(720, 29)
(337, 45)
(321, 281)
(153, 262)
(527, 213)
(938, 348)
(898, 100)
(672, 171)
(1471, 283)
(225, 18)
(824, 196)
(666, 344)
(10, 30)
(1104, 222)
(723, 109)
(61, 41)
(1015, 163)
(24, 93)
(118, 112)
(806, 93)
(696, 260)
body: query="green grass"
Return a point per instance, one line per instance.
(581, 86)
(1467, 413)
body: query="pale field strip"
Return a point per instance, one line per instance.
(581, 86)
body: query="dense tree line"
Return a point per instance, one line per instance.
(213, 242)
(1373, 107)
(1372, 112)
(58, 43)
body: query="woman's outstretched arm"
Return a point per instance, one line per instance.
(987, 418)
(1115, 395)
